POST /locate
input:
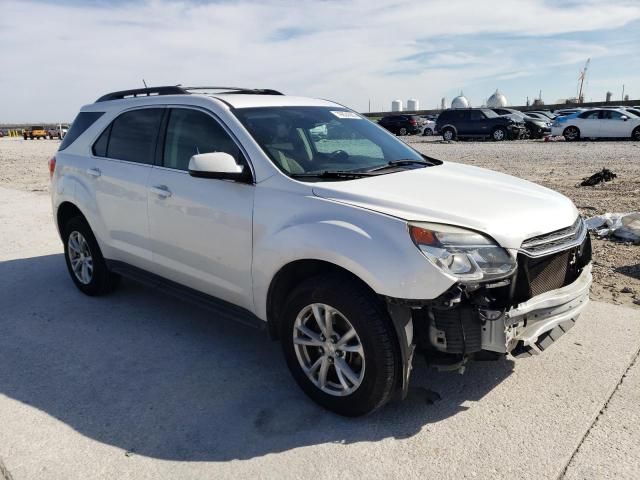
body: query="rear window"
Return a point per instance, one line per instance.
(83, 121)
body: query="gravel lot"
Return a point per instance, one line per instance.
(557, 165)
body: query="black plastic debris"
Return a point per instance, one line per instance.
(605, 175)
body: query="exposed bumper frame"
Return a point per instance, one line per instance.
(535, 324)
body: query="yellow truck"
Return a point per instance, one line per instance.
(34, 132)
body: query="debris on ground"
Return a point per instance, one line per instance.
(625, 226)
(604, 175)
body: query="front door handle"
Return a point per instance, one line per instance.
(161, 191)
(94, 172)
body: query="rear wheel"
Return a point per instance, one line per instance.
(635, 135)
(499, 134)
(448, 134)
(571, 133)
(402, 131)
(339, 345)
(84, 259)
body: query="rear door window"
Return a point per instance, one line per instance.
(134, 134)
(83, 121)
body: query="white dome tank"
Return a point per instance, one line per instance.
(497, 100)
(413, 105)
(460, 101)
(396, 106)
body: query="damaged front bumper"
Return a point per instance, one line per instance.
(534, 325)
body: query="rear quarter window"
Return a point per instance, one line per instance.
(83, 121)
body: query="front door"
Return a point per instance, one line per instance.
(200, 228)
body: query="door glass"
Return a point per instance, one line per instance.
(477, 115)
(191, 132)
(133, 135)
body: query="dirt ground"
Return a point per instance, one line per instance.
(557, 165)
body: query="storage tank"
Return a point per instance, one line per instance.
(396, 106)
(413, 105)
(460, 102)
(497, 100)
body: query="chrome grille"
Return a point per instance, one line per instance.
(556, 241)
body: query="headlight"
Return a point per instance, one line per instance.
(465, 254)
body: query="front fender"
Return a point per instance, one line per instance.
(374, 247)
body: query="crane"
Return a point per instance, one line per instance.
(581, 77)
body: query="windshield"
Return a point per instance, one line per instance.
(308, 140)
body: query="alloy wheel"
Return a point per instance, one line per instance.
(498, 134)
(80, 257)
(328, 350)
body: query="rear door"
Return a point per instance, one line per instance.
(201, 228)
(119, 170)
(589, 123)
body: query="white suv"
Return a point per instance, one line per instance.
(350, 247)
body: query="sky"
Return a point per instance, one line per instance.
(56, 56)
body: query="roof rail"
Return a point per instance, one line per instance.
(170, 90)
(237, 90)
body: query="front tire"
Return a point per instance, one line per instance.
(340, 345)
(427, 132)
(571, 134)
(635, 135)
(499, 134)
(84, 259)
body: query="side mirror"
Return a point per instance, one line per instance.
(624, 118)
(219, 165)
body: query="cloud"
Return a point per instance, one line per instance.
(350, 50)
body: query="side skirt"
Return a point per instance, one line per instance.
(221, 308)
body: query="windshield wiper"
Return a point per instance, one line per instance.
(346, 174)
(399, 163)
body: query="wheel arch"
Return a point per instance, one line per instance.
(65, 212)
(294, 273)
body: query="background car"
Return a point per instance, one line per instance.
(534, 127)
(598, 123)
(429, 127)
(402, 124)
(479, 123)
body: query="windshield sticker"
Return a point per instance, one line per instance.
(341, 114)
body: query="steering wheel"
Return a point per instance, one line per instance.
(338, 155)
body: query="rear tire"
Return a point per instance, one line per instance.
(571, 134)
(402, 131)
(84, 259)
(448, 134)
(373, 358)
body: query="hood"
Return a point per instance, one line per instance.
(506, 208)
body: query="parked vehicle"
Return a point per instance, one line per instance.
(402, 124)
(534, 127)
(355, 252)
(544, 113)
(568, 111)
(35, 132)
(478, 122)
(429, 128)
(598, 123)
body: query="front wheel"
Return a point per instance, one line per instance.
(635, 135)
(427, 132)
(499, 134)
(340, 345)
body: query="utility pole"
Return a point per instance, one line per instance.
(623, 92)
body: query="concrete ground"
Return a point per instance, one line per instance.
(140, 386)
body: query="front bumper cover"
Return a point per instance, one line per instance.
(535, 324)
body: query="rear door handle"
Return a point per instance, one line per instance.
(161, 191)
(94, 172)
